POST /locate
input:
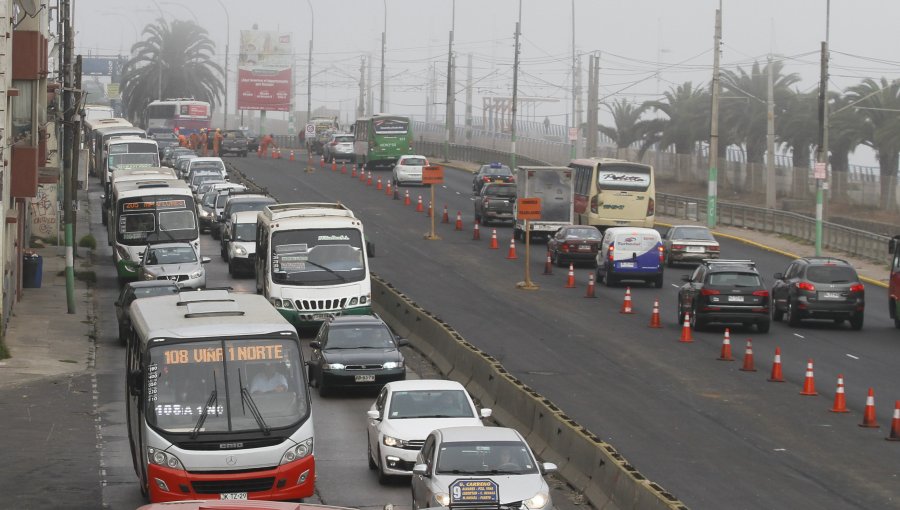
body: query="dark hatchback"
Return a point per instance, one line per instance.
(495, 203)
(725, 291)
(136, 290)
(494, 172)
(819, 288)
(574, 243)
(355, 351)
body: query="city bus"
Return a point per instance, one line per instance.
(127, 152)
(92, 125)
(614, 193)
(894, 281)
(146, 211)
(176, 113)
(135, 173)
(218, 401)
(311, 262)
(99, 138)
(381, 140)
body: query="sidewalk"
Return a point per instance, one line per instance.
(43, 339)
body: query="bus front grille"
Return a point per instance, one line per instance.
(320, 304)
(220, 486)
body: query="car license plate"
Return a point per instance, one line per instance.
(695, 249)
(233, 495)
(831, 295)
(626, 264)
(736, 299)
(364, 378)
(584, 247)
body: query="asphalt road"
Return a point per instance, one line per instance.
(714, 436)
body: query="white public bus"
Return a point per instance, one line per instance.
(614, 193)
(127, 152)
(146, 211)
(89, 139)
(311, 262)
(137, 173)
(218, 401)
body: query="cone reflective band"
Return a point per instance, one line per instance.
(387, 189)
(511, 255)
(776, 375)
(548, 266)
(840, 399)
(333, 165)
(686, 329)
(406, 200)
(725, 354)
(459, 225)
(869, 414)
(809, 382)
(494, 245)
(476, 231)
(446, 217)
(379, 187)
(353, 172)
(419, 206)
(748, 358)
(626, 304)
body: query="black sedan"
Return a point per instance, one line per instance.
(819, 288)
(135, 290)
(574, 243)
(355, 351)
(494, 172)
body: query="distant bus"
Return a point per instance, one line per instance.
(177, 113)
(93, 112)
(127, 152)
(614, 193)
(311, 262)
(218, 402)
(93, 125)
(381, 140)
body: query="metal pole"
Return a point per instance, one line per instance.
(713, 184)
(312, 32)
(512, 146)
(574, 142)
(383, 48)
(823, 132)
(227, 39)
(448, 121)
(770, 139)
(68, 137)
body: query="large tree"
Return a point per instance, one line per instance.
(798, 127)
(629, 128)
(878, 103)
(174, 60)
(845, 133)
(687, 110)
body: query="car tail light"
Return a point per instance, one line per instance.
(594, 206)
(485, 179)
(612, 248)
(709, 292)
(564, 247)
(761, 293)
(677, 246)
(333, 143)
(662, 254)
(714, 247)
(806, 286)
(651, 207)
(512, 179)
(857, 287)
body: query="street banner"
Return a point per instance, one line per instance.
(264, 71)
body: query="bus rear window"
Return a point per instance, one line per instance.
(623, 177)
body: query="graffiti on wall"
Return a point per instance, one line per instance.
(44, 217)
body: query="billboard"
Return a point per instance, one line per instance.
(265, 71)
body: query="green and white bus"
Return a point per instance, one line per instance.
(381, 139)
(311, 262)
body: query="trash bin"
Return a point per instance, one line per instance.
(32, 269)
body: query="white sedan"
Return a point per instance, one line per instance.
(408, 170)
(403, 415)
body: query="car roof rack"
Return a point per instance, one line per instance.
(734, 262)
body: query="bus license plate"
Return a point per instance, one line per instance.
(364, 378)
(233, 495)
(321, 316)
(626, 264)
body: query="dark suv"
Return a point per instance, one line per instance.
(495, 203)
(724, 291)
(234, 142)
(819, 288)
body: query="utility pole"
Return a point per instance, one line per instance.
(309, 72)
(369, 94)
(512, 146)
(449, 124)
(770, 138)
(361, 105)
(579, 107)
(76, 143)
(383, 47)
(821, 171)
(469, 98)
(592, 107)
(574, 151)
(68, 141)
(713, 184)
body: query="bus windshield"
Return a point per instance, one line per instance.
(126, 160)
(229, 378)
(317, 256)
(167, 218)
(623, 178)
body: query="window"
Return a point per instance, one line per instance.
(830, 274)
(735, 279)
(623, 177)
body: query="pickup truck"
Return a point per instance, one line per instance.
(495, 203)
(233, 142)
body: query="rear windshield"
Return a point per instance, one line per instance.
(692, 234)
(735, 279)
(831, 274)
(501, 170)
(623, 177)
(343, 139)
(583, 233)
(501, 191)
(414, 162)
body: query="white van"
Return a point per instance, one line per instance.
(631, 253)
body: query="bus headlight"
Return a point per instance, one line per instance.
(335, 366)
(353, 302)
(240, 250)
(275, 302)
(539, 500)
(364, 299)
(303, 449)
(287, 304)
(161, 458)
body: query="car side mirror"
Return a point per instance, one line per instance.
(315, 344)
(402, 342)
(548, 467)
(205, 260)
(779, 276)
(370, 249)
(486, 412)
(373, 415)
(686, 278)
(420, 469)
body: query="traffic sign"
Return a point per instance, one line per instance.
(432, 175)
(310, 129)
(573, 134)
(528, 209)
(819, 171)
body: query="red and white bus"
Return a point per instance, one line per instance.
(177, 113)
(894, 282)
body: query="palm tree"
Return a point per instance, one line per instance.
(878, 103)
(799, 130)
(629, 128)
(688, 110)
(174, 61)
(845, 133)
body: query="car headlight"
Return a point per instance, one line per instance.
(442, 498)
(204, 213)
(335, 366)
(149, 276)
(303, 449)
(240, 250)
(393, 441)
(539, 500)
(161, 458)
(392, 364)
(196, 274)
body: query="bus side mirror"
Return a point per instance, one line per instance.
(892, 245)
(134, 381)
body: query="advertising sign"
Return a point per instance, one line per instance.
(264, 71)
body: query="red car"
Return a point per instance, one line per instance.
(574, 243)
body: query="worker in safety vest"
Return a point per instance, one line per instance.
(203, 142)
(194, 141)
(182, 140)
(217, 140)
(265, 142)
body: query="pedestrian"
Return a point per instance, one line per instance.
(203, 142)
(546, 124)
(217, 141)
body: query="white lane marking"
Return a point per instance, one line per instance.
(676, 286)
(799, 336)
(780, 449)
(444, 186)
(458, 193)
(852, 356)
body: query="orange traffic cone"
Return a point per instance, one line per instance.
(379, 186)
(809, 383)
(776, 375)
(511, 254)
(494, 245)
(476, 230)
(748, 358)
(626, 304)
(419, 206)
(369, 181)
(445, 218)
(590, 287)
(840, 400)
(654, 317)
(333, 165)
(686, 336)
(397, 192)
(276, 153)
(869, 413)
(548, 266)
(362, 175)
(292, 155)
(725, 355)
(895, 423)
(458, 221)
(406, 200)
(570, 279)
(353, 172)
(322, 162)
(344, 168)
(387, 189)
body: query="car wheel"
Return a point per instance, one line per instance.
(214, 232)
(697, 324)
(658, 282)
(383, 478)
(777, 313)
(123, 334)
(609, 280)
(856, 321)
(668, 260)
(763, 326)
(231, 269)
(793, 318)
(224, 253)
(104, 216)
(372, 464)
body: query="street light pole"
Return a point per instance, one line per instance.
(713, 182)
(383, 47)
(227, 39)
(449, 121)
(822, 160)
(159, 83)
(312, 32)
(515, 96)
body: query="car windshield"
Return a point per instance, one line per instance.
(317, 256)
(209, 199)
(413, 162)
(692, 234)
(158, 290)
(583, 233)
(500, 191)
(485, 457)
(184, 378)
(734, 279)
(208, 165)
(429, 404)
(196, 180)
(245, 232)
(359, 337)
(831, 274)
(501, 170)
(343, 139)
(170, 255)
(248, 205)
(234, 135)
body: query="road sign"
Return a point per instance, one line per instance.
(310, 129)
(819, 171)
(112, 90)
(528, 209)
(432, 175)
(573, 134)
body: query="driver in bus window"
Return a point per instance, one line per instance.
(269, 380)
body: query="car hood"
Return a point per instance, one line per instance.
(417, 429)
(361, 356)
(511, 488)
(173, 269)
